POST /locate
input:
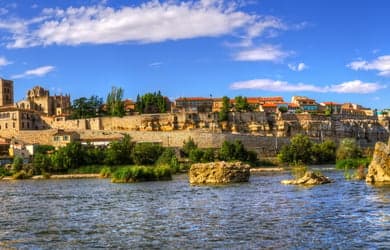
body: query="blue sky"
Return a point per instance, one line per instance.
(328, 50)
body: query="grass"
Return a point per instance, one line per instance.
(347, 164)
(141, 173)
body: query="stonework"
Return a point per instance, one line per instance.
(379, 169)
(219, 173)
(310, 178)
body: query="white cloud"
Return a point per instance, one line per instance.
(356, 86)
(381, 64)
(147, 23)
(298, 67)
(155, 64)
(41, 71)
(4, 61)
(262, 53)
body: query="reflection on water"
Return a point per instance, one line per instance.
(57, 214)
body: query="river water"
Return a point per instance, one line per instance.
(94, 213)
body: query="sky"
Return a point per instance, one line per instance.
(329, 50)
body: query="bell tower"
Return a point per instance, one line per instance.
(6, 92)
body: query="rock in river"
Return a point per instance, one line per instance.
(219, 173)
(310, 178)
(379, 169)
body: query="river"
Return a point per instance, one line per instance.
(94, 213)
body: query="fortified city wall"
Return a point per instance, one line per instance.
(265, 134)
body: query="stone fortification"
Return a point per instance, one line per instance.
(379, 169)
(219, 173)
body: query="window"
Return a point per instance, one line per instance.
(66, 138)
(6, 125)
(13, 125)
(56, 138)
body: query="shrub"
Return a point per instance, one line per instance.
(141, 173)
(119, 152)
(324, 152)
(348, 149)
(21, 175)
(352, 163)
(41, 163)
(17, 164)
(146, 153)
(299, 150)
(105, 172)
(236, 151)
(188, 146)
(299, 170)
(196, 155)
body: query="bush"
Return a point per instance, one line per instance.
(347, 164)
(299, 150)
(141, 173)
(41, 163)
(105, 172)
(21, 175)
(196, 155)
(323, 152)
(188, 146)
(299, 170)
(348, 149)
(236, 152)
(17, 164)
(168, 157)
(119, 152)
(146, 153)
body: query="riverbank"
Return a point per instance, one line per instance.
(57, 176)
(94, 175)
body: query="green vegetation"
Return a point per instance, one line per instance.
(141, 173)
(223, 114)
(21, 175)
(283, 109)
(299, 170)
(146, 153)
(241, 104)
(302, 149)
(115, 105)
(86, 107)
(105, 172)
(352, 163)
(348, 149)
(151, 103)
(232, 151)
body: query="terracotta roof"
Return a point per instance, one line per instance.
(269, 105)
(193, 99)
(331, 103)
(293, 105)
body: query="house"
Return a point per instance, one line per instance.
(335, 108)
(306, 104)
(63, 138)
(194, 104)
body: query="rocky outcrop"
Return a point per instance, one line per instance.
(379, 169)
(219, 173)
(310, 178)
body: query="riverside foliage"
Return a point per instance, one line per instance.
(302, 149)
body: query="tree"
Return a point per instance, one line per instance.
(324, 152)
(119, 152)
(86, 108)
(223, 115)
(188, 146)
(115, 105)
(348, 149)
(283, 109)
(241, 104)
(17, 164)
(151, 103)
(299, 150)
(146, 153)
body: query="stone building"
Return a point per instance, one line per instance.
(6, 92)
(39, 99)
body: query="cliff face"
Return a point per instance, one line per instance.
(379, 169)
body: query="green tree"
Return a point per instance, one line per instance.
(324, 152)
(299, 150)
(241, 104)
(151, 103)
(348, 149)
(223, 114)
(86, 108)
(119, 152)
(115, 105)
(283, 109)
(188, 146)
(17, 164)
(146, 153)
(41, 163)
